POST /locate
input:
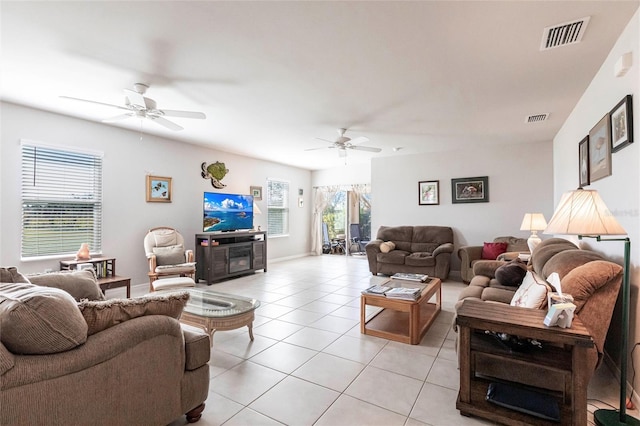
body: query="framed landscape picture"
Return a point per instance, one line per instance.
(429, 192)
(583, 162)
(158, 189)
(470, 190)
(621, 117)
(600, 150)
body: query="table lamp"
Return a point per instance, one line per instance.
(583, 213)
(533, 222)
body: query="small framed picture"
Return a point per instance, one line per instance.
(158, 189)
(256, 191)
(470, 190)
(583, 162)
(429, 193)
(621, 117)
(600, 150)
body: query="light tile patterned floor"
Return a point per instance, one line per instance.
(310, 365)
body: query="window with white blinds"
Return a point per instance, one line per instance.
(61, 201)
(278, 208)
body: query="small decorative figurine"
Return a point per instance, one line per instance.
(83, 253)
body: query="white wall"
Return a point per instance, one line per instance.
(342, 175)
(520, 181)
(127, 160)
(620, 191)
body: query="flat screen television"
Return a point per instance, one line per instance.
(227, 212)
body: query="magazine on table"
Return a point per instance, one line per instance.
(404, 293)
(410, 277)
(377, 289)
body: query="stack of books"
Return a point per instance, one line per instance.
(410, 277)
(394, 293)
(404, 293)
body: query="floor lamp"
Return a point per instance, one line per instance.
(583, 213)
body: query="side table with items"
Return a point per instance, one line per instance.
(105, 268)
(559, 355)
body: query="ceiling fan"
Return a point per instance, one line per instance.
(343, 143)
(137, 105)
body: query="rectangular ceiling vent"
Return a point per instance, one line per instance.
(564, 34)
(536, 118)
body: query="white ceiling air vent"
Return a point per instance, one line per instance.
(536, 118)
(564, 34)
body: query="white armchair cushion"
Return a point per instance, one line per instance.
(178, 269)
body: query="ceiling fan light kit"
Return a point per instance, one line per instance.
(142, 107)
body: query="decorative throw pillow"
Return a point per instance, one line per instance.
(532, 293)
(11, 275)
(387, 246)
(491, 251)
(39, 320)
(171, 255)
(104, 314)
(81, 285)
(512, 273)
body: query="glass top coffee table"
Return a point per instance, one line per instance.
(213, 311)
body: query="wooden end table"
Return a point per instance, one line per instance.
(563, 352)
(405, 321)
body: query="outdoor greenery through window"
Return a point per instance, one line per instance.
(61, 200)
(335, 215)
(278, 208)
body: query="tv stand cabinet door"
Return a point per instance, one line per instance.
(219, 262)
(260, 255)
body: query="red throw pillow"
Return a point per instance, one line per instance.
(491, 251)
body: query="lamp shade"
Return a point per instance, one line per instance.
(582, 212)
(256, 209)
(533, 222)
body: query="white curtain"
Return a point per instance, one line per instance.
(321, 197)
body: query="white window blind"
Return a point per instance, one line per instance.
(278, 208)
(61, 201)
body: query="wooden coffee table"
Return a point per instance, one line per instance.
(404, 321)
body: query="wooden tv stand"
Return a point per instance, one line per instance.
(564, 352)
(223, 255)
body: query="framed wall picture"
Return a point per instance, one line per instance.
(600, 150)
(429, 192)
(470, 190)
(158, 189)
(621, 117)
(256, 191)
(583, 162)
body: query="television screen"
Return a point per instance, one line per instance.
(227, 212)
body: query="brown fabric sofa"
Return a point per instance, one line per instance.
(593, 282)
(143, 369)
(469, 255)
(418, 250)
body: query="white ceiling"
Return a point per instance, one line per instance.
(274, 76)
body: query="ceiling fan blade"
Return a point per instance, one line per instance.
(359, 139)
(342, 152)
(365, 148)
(183, 114)
(118, 118)
(94, 102)
(166, 123)
(315, 149)
(325, 140)
(135, 98)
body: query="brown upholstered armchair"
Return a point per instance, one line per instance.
(167, 256)
(469, 255)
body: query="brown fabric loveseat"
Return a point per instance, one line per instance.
(113, 362)
(416, 249)
(593, 282)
